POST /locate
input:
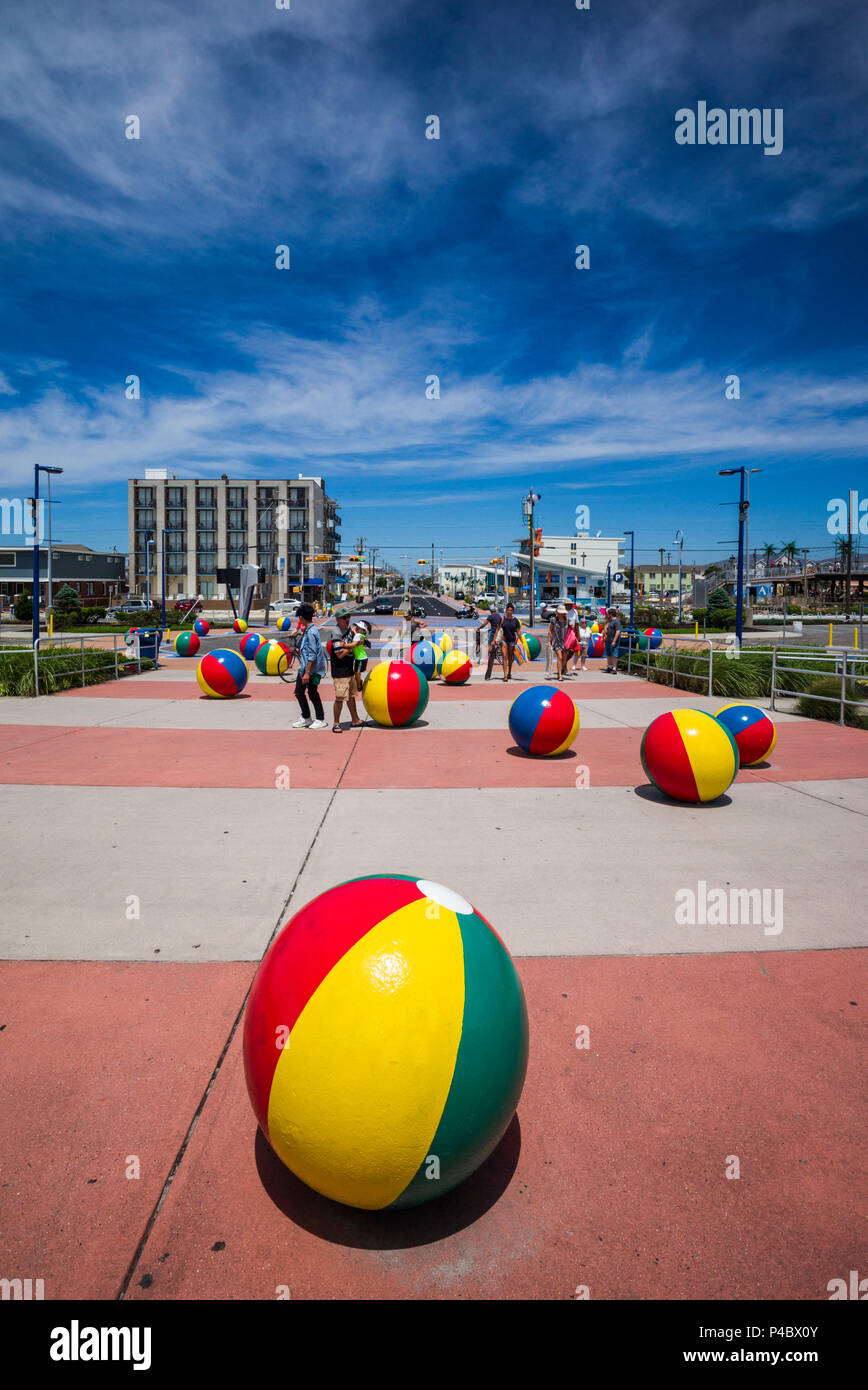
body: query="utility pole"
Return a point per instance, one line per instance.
(527, 507)
(661, 574)
(679, 537)
(852, 512)
(805, 566)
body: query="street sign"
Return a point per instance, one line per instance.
(618, 578)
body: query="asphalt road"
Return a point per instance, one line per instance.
(434, 607)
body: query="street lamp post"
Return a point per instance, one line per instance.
(149, 540)
(37, 469)
(743, 506)
(679, 541)
(608, 586)
(632, 536)
(527, 507)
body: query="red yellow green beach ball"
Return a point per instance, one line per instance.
(187, 643)
(395, 693)
(689, 755)
(531, 646)
(222, 673)
(268, 655)
(385, 1042)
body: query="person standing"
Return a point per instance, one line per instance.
(558, 629)
(583, 633)
(509, 628)
(311, 669)
(492, 621)
(362, 650)
(344, 673)
(612, 635)
(572, 642)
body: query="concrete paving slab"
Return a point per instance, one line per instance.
(103, 1068)
(614, 1175)
(207, 872)
(596, 871)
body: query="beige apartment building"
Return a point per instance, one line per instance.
(281, 525)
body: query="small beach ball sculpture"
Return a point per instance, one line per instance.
(385, 1042)
(427, 658)
(268, 655)
(187, 643)
(201, 627)
(456, 668)
(240, 625)
(754, 733)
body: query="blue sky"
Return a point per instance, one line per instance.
(413, 257)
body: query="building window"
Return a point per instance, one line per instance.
(7, 557)
(207, 587)
(145, 497)
(236, 497)
(176, 497)
(176, 519)
(206, 519)
(206, 497)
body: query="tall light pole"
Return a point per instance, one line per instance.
(37, 469)
(632, 536)
(527, 507)
(743, 506)
(679, 541)
(149, 540)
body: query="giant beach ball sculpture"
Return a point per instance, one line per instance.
(395, 693)
(240, 625)
(596, 644)
(385, 1042)
(689, 755)
(201, 627)
(222, 673)
(754, 733)
(187, 643)
(249, 645)
(443, 641)
(543, 720)
(655, 637)
(284, 623)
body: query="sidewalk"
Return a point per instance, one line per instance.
(156, 857)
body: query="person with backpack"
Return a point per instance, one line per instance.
(612, 636)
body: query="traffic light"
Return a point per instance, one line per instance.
(537, 540)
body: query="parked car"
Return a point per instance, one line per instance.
(286, 605)
(127, 609)
(384, 605)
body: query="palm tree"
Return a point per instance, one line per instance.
(769, 552)
(789, 550)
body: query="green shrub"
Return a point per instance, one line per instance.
(829, 708)
(59, 669)
(24, 608)
(67, 605)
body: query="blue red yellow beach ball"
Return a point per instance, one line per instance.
(689, 755)
(596, 645)
(249, 645)
(201, 627)
(284, 623)
(754, 733)
(395, 693)
(222, 673)
(428, 658)
(543, 720)
(385, 1042)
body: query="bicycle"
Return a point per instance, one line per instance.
(288, 660)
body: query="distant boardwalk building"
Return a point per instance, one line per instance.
(220, 524)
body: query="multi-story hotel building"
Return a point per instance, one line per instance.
(214, 524)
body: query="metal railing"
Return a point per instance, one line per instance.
(66, 656)
(850, 665)
(643, 659)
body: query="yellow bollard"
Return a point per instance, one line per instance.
(696, 627)
(830, 634)
(856, 639)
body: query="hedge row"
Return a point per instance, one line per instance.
(59, 669)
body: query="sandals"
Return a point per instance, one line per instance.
(336, 729)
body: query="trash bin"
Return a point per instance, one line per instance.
(147, 640)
